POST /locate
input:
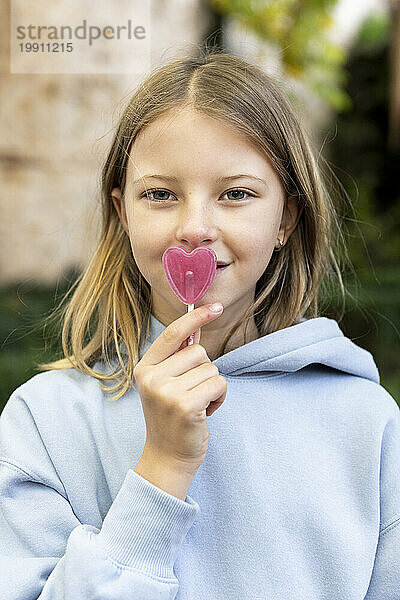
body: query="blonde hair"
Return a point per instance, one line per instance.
(111, 289)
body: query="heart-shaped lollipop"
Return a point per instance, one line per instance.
(189, 274)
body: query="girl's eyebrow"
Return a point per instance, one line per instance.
(219, 180)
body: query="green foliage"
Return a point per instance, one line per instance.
(23, 340)
(299, 28)
(373, 33)
(368, 170)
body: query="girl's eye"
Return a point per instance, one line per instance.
(149, 192)
(240, 192)
(164, 199)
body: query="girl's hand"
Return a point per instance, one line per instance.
(179, 387)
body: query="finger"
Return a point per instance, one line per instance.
(196, 340)
(170, 340)
(214, 405)
(191, 379)
(183, 345)
(212, 387)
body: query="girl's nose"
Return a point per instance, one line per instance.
(193, 238)
(196, 226)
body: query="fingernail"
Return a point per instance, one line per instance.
(217, 307)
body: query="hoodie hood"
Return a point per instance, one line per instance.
(317, 341)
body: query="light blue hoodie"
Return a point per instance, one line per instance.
(298, 496)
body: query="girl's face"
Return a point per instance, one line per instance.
(207, 185)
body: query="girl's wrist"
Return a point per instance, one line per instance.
(173, 478)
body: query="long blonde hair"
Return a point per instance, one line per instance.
(111, 290)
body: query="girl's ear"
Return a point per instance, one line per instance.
(119, 204)
(290, 218)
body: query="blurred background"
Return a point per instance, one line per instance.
(340, 61)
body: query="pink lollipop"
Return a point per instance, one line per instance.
(189, 274)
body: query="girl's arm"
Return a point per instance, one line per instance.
(47, 553)
(385, 577)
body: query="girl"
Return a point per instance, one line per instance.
(292, 489)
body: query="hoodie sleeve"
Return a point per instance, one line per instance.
(385, 577)
(46, 553)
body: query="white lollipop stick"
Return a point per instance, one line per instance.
(189, 291)
(191, 337)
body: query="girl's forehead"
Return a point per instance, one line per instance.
(190, 128)
(174, 149)
(208, 167)
(194, 148)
